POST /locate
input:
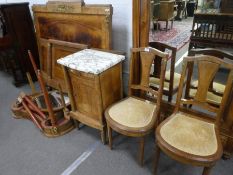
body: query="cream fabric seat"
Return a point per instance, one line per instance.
(218, 87)
(154, 82)
(190, 135)
(132, 112)
(211, 97)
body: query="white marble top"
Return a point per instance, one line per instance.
(91, 61)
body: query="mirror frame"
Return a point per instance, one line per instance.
(141, 22)
(141, 26)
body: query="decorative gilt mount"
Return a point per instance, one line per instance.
(68, 6)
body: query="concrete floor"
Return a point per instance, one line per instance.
(25, 151)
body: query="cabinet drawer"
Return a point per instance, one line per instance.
(82, 75)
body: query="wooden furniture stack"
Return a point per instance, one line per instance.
(19, 27)
(73, 22)
(94, 81)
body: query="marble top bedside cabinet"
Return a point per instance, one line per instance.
(94, 81)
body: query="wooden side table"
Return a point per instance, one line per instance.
(94, 81)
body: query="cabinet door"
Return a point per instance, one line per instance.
(87, 94)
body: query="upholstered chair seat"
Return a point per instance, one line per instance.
(132, 112)
(218, 87)
(211, 97)
(189, 134)
(154, 82)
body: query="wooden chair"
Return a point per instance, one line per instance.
(57, 122)
(181, 9)
(184, 11)
(216, 89)
(155, 6)
(166, 12)
(171, 77)
(135, 116)
(190, 138)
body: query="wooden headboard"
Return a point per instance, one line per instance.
(72, 22)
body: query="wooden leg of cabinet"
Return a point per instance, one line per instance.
(103, 135)
(76, 124)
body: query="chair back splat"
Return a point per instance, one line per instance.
(147, 57)
(216, 88)
(207, 67)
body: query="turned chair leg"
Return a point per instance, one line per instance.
(166, 26)
(206, 170)
(141, 152)
(109, 136)
(157, 155)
